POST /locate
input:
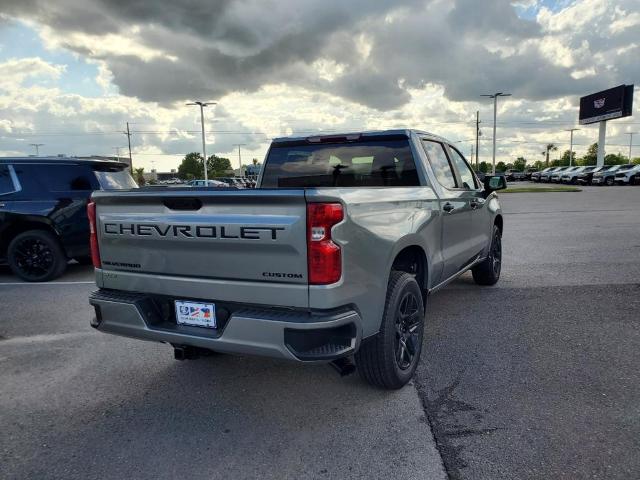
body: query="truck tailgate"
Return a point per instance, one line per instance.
(249, 236)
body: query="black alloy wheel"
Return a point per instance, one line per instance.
(408, 322)
(488, 271)
(390, 358)
(36, 256)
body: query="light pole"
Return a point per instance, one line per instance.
(478, 133)
(571, 130)
(495, 110)
(631, 134)
(204, 146)
(239, 156)
(37, 145)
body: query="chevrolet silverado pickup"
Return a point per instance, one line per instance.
(329, 259)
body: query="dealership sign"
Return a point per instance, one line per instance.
(613, 103)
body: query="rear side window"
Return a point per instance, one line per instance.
(115, 180)
(6, 182)
(66, 178)
(440, 163)
(369, 163)
(54, 178)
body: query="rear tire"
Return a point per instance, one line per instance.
(36, 256)
(609, 181)
(390, 358)
(488, 272)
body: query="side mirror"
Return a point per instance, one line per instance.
(493, 183)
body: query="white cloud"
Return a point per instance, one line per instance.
(288, 67)
(15, 71)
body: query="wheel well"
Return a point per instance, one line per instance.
(17, 228)
(414, 261)
(498, 223)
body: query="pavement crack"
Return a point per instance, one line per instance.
(437, 410)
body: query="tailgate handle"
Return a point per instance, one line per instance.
(182, 203)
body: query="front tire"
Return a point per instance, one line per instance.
(36, 256)
(609, 181)
(390, 358)
(488, 272)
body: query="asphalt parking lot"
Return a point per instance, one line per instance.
(536, 377)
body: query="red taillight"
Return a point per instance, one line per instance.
(93, 235)
(323, 256)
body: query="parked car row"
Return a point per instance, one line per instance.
(225, 182)
(628, 174)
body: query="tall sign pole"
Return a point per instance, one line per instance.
(602, 135)
(630, 143)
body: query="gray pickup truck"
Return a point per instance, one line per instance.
(329, 259)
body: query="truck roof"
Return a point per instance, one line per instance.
(366, 133)
(64, 161)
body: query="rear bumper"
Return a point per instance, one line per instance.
(298, 335)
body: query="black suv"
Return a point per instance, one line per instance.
(43, 211)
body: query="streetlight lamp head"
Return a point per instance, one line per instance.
(202, 104)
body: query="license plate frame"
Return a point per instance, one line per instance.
(195, 314)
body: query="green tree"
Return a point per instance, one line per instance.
(191, 166)
(520, 163)
(538, 164)
(615, 159)
(550, 147)
(139, 175)
(484, 167)
(564, 158)
(218, 166)
(500, 167)
(591, 157)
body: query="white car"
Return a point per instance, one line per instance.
(628, 176)
(206, 183)
(572, 176)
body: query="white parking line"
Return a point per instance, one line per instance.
(43, 338)
(46, 283)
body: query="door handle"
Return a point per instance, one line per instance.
(448, 207)
(2, 205)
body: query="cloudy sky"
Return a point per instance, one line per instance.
(72, 73)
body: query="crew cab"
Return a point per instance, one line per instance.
(43, 211)
(329, 259)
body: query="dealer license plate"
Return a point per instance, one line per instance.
(196, 314)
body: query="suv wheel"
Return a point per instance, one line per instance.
(609, 181)
(488, 272)
(389, 359)
(36, 256)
